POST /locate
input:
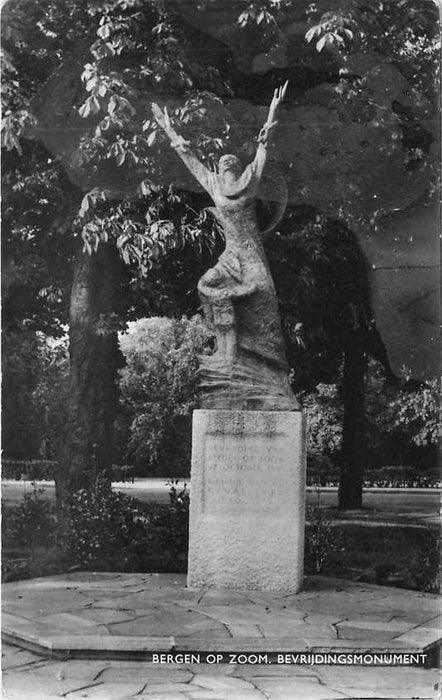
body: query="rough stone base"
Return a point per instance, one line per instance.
(248, 500)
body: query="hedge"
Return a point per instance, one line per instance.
(385, 477)
(32, 470)
(44, 470)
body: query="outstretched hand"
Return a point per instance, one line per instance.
(271, 122)
(162, 117)
(278, 97)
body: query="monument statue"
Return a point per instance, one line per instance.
(248, 370)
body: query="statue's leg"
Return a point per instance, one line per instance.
(219, 313)
(207, 309)
(225, 329)
(230, 345)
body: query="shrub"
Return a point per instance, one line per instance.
(322, 540)
(171, 526)
(29, 536)
(101, 529)
(110, 531)
(31, 523)
(425, 566)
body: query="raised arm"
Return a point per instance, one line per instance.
(182, 147)
(263, 138)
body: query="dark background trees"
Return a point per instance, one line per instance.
(124, 227)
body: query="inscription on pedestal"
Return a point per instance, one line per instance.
(247, 500)
(240, 467)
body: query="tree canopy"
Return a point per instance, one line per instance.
(357, 138)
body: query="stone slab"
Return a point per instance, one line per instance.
(424, 637)
(247, 503)
(234, 626)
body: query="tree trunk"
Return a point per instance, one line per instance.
(353, 437)
(95, 358)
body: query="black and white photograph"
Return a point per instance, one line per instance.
(220, 239)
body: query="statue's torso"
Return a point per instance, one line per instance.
(257, 315)
(239, 296)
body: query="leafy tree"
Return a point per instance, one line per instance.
(400, 421)
(159, 392)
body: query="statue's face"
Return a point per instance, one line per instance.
(230, 164)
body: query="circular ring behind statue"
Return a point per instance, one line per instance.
(273, 191)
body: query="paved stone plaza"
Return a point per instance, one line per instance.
(97, 630)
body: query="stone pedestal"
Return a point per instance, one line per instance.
(247, 500)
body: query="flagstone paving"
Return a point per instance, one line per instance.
(27, 676)
(87, 635)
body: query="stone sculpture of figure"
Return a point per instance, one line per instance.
(248, 370)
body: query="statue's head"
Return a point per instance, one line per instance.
(230, 164)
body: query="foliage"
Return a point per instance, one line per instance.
(416, 413)
(322, 472)
(110, 531)
(368, 83)
(35, 370)
(33, 469)
(425, 566)
(171, 527)
(50, 395)
(401, 423)
(159, 391)
(37, 208)
(21, 371)
(141, 48)
(403, 477)
(20, 565)
(102, 528)
(123, 472)
(31, 523)
(322, 540)
(404, 556)
(324, 419)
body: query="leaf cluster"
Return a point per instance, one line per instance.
(37, 206)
